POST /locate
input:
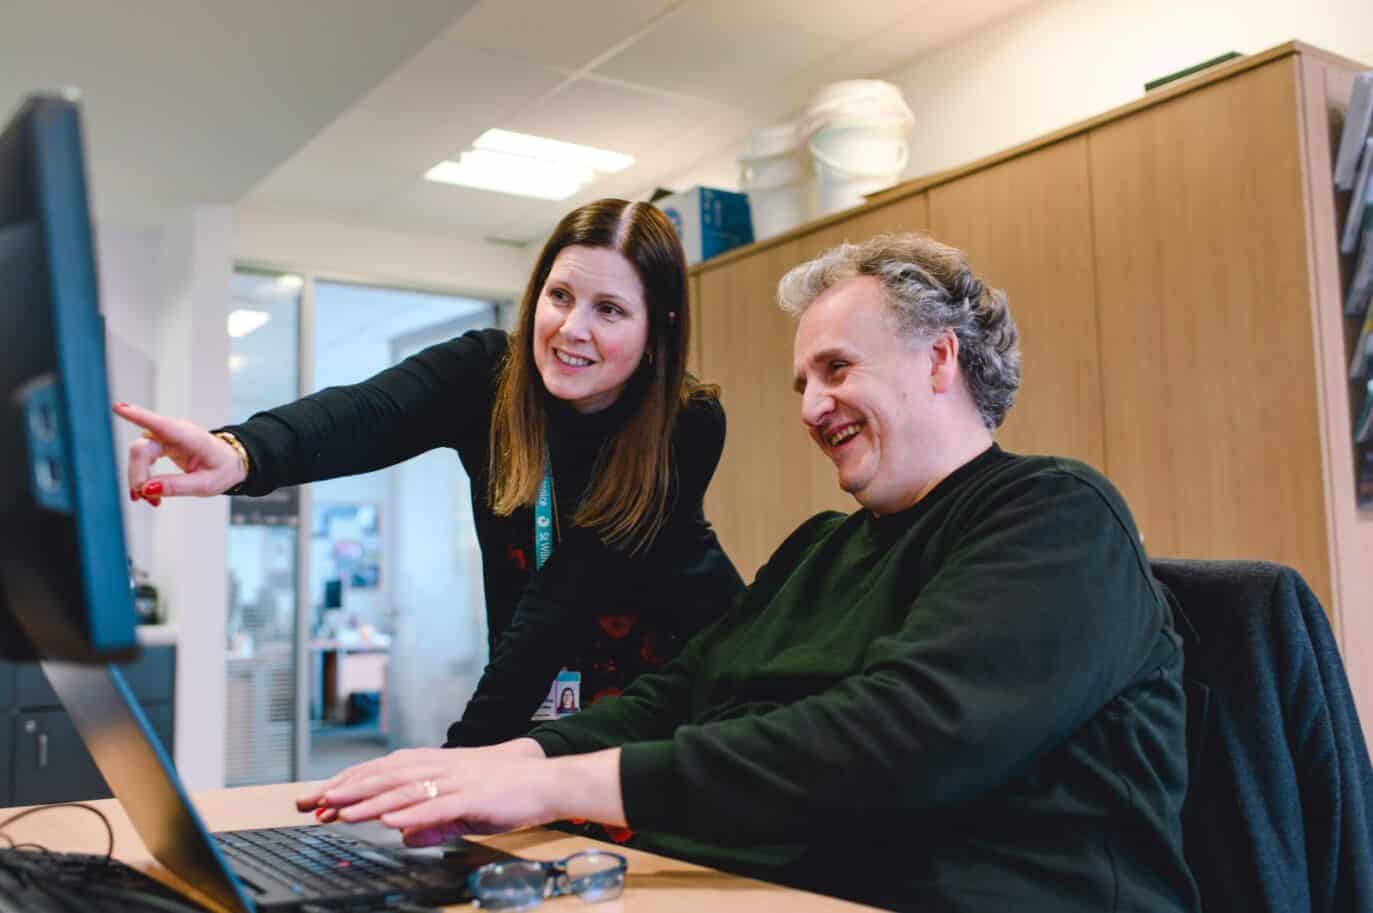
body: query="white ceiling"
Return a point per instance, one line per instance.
(670, 82)
(196, 101)
(337, 107)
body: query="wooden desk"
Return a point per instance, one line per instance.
(348, 667)
(654, 884)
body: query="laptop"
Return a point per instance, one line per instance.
(271, 870)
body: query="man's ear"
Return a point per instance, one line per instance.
(944, 361)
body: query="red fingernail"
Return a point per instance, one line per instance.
(155, 502)
(153, 489)
(133, 494)
(319, 813)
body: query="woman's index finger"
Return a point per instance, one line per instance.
(146, 418)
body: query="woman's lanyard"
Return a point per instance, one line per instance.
(564, 696)
(545, 516)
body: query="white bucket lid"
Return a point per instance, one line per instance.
(778, 139)
(857, 100)
(860, 149)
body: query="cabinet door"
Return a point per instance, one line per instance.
(51, 763)
(1209, 381)
(694, 299)
(761, 490)
(1026, 226)
(7, 672)
(6, 757)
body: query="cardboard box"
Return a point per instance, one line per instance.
(709, 221)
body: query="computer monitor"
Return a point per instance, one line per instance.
(64, 579)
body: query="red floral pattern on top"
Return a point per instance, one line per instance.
(617, 626)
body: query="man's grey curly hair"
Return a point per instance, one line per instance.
(930, 288)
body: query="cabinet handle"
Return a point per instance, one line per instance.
(42, 750)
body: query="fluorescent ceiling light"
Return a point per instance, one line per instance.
(290, 282)
(551, 150)
(243, 321)
(528, 166)
(515, 174)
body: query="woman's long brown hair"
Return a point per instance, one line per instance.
(626, 501)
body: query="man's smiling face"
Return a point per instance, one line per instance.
(866, 395)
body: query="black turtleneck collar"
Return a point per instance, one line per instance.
(565, 421)
(903, 518)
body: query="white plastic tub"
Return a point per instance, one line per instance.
(774, 172)
(857, 135)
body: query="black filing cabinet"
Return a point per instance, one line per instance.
(47, 761)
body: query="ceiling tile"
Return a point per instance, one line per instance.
(719, 51)
(451, 82)
(840, 22)
(457, 211)
(369, 143)
(613, 116)
(534, 227)
(937, 24)
(303, 184)
(188, 103)
(565, 33)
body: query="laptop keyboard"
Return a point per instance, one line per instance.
(316, 863)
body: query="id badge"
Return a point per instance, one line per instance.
(564, 697)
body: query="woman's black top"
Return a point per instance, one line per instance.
(592, 608)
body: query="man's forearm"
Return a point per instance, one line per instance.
(587, 786)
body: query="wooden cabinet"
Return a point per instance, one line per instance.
(1027, 227)
(1173, 270)
(766, 468)
(1209, 373)
(907, 214)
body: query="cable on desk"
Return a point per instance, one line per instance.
(109, 830)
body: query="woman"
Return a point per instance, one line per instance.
(589, 449)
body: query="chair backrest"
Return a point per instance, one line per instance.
(1278, 809)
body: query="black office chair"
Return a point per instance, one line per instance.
(1280, 802)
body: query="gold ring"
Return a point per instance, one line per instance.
(431, 789)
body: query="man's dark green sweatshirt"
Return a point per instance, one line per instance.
(972, 705)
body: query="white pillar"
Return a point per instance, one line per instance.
(190, 536)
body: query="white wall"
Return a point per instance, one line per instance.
(190, 535)
(1057, 62)
(130, 298)
(165, 294)
(347, 250)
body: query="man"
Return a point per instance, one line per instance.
(964, 696)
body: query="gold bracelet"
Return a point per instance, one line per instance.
(235, 443)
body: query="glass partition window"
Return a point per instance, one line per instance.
(264, 346)
(397, 635)
(356, 620)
